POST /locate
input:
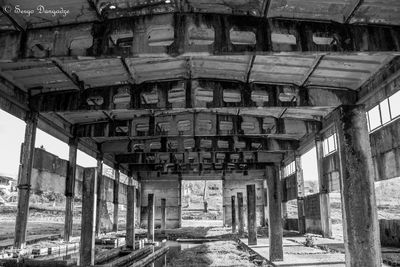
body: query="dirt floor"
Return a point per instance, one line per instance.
(220, 253)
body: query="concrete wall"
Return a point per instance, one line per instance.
(385, 148)
(49, 174)
(237, 182)
(165, 186)
(313, 214)
(289, 188)
(390, 232)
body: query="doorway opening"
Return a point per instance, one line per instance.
(202, 203)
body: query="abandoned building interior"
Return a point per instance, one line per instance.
(285, 106)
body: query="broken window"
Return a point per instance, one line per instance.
(329, 145)
(289, 169)
(394, 101)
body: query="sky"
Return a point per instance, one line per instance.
(12, 132)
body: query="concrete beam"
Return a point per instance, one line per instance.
(300, 196)
(340, 37)
(163, 214)
(88, 224)
(240, 213)
(150, 217)
(24, 180)
(115, 198)
(100, 193)
(275, 228)
(70, 189)
(251, 215)
(233, 213)
(360, 218)
(325, 208)
(130, 216)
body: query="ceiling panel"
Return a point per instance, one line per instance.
(251, 7)
(346, 71)
(150, 69)
(281, 69)
(378, 12)
(98, 72)
(37, 76)
(221, 67)
(333, 10)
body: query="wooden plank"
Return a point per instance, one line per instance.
(123, 261)
(152, 257)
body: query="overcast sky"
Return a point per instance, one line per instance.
(12, 132)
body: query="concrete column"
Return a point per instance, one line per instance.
(70, 189)
(251, 215)
(88, 227)
(115, 198)
(180, 200)
(150, 218)
(360, 219)
(300, 196)
(100, 189)
(324, 201)
(275, 229)
(24, 180)
(284, 214)
(130, 215)
(163, 213)
(240, 213)
(233, 210)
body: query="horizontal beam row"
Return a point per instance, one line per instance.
(196, 144)
(182, 33)
(198, 93)
(193, 158)
(262, 122)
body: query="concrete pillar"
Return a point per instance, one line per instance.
(150, 218)
(360, 219)
(130, 215)
(284, 214)
(100, 189)
(275, 228)
(70, 189)
(300, 196)
(251, 215)
(324, 201)
(115, 198)
(233, 210)
(24, 180)
(180, 200)
(240, 213)
(88, 222)
(163, 213)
